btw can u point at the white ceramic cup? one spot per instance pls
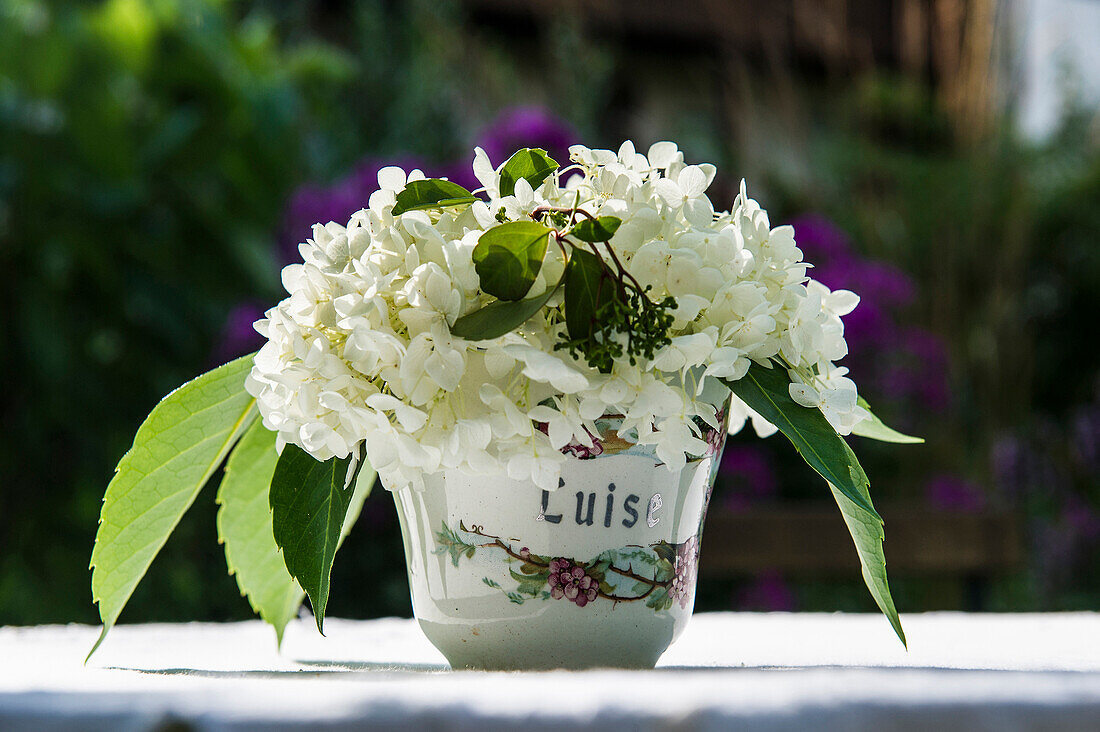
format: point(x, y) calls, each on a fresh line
point(600, 572)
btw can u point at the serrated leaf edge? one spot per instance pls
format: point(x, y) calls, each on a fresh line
point(231, 565)
point(235, 433)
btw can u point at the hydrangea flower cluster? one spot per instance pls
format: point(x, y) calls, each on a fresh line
point(361, 352)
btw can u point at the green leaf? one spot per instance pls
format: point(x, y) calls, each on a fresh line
point(868, 534)
point(765, 391)
point(309, 503)
point(664, 551)
point(530, 588)
point(587, 287)
point(521, 578)
point(451, 543)
point(596, 230)
point(508, 257)
point(176, 450)
point(500, 317)
point(531, 164)
point(245, 527)
point(431, 193)
point(875, 429)
point(656, 599)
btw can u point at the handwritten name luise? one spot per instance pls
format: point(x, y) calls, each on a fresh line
point(587, 514)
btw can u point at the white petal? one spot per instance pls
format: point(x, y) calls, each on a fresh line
point(692, 181)
point(699, 211)
point(763, 427)
point(804, 395)
point(709, 171)
point(391, 178)
point(662, 154)
point(484, 171)
point(525, 194)
point(670, 192)
point(842, 302)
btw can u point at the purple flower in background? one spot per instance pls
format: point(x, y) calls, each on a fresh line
point(923, 374)
point(1026, 470)
point(907, 365)
point(820, 239)
point(527, 127)
point(514, 128)
point(1086, 434)
point(1007, 464)
point(1080, 518)
point(571, 582)
point(1086, 428)
point(837, 266)
point(953, 493)
point(461, 172)
point(1045, 472)
point(311, 205)
point(238, 337)
point(883, 284)
point(748, 473)
point(767, 593)
point(881, 287)
point(319, 204)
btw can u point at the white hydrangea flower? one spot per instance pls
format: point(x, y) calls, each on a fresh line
point(360, 352)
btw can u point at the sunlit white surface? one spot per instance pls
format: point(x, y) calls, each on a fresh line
point(770, 671)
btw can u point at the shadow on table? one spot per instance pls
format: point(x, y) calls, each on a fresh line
point(314, 668)
point(359, 668)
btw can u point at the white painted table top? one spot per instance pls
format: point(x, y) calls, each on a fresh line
point(762, 671)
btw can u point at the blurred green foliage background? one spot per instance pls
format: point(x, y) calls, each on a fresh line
point(150, 151)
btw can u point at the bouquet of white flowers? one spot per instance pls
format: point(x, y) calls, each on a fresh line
point(485, 332)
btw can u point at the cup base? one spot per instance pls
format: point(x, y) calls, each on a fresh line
point(554, 640)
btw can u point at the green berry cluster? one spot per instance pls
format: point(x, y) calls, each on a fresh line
point(630, 323)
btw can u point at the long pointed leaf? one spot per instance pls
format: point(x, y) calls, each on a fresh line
point(176, 450)
point(309, 505)
point(765, 390)
point(875, 429)
point(245, 528)
point(868, 535)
